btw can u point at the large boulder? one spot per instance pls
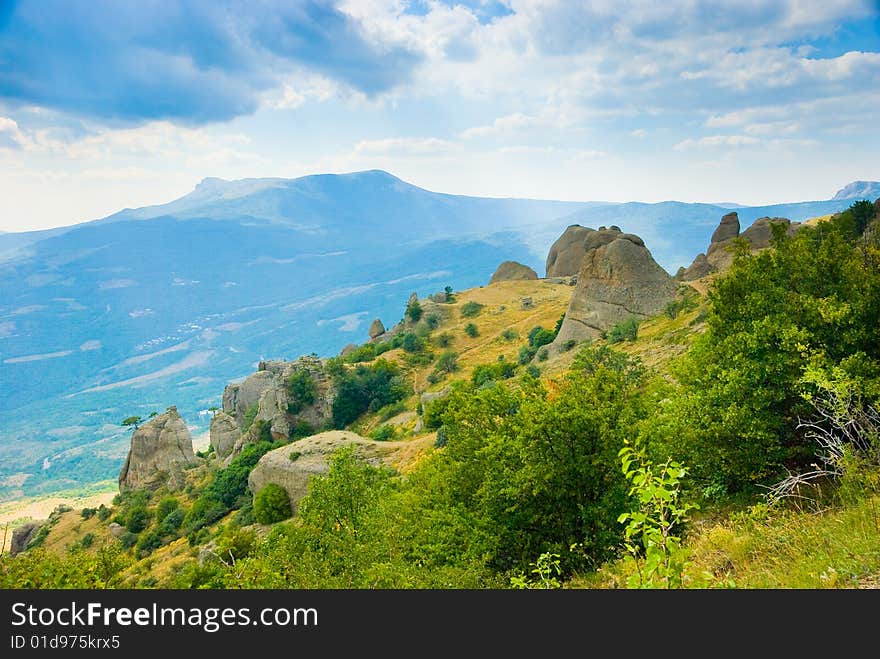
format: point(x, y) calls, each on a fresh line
point(292, 466)
point(618, 280)
point(23, 535)
point(567, 253)
point(265, 399)
point(224, 433)
point(376, 329)
point(160, 450)
point(512, 270)
point(719, 256)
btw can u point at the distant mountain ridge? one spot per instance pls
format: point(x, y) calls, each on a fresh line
point(166, 304)
point(859, 190)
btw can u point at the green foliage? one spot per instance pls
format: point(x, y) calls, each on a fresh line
point(526, 354)
point(87, 540)
point(543, 354)
point(103, 512)
point(413, 311)
point(567, 345)
point(447, 362)
point(444, 340)
point(538, 336)
point(138, 518)
point(170, 524)
point(813, 299)
point(301, 391)
point(132, 421)
point(294, 456)
point(546, 572)
point(383, 433)
point(432, 321)
point(533, 370)
point(680, 305)
point(271, 504)
point(650, 532)
point(38, 568)
point(249, 416)
point(87, 513)
point(627, 330)
point(471, 309)
point(412, 343)
point(165, 507)
point(471, 330)
point(390, 410)
point(510, 334)
point(484, 373)
point(539, 473)
point(367, 388)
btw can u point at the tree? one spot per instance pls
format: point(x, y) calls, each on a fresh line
point(271, 504)
point(414, 311)
point(132, 421)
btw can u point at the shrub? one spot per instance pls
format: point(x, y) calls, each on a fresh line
point(444, 340)
point(383, 433)
point(166, 506)
point(87, 513)
point(272, 504)
point(412, 343)
point(103, 512)
point(471, 330)
point(471, 309)
point(447, 362)
point(569, 344)
point(510, 334)
point(367, 388)
point(148, 542)
point(414, 311)
point(301, 391)
point(543, 354)
point(172, 521)
point(138, 519)
point(538, 336)
point(533, 370)
point(249, 416)
point(87, 540)
point(432, 321)
point(484, 373)
point(525, 355)
point(128, 539)
point(294, 456)
point(626, 331)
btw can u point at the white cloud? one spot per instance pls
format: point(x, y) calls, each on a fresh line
point(37, 358)
point(502, 126)
point(406, 146)
point(93, 344)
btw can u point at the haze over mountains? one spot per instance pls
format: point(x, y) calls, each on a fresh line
point(164, 305)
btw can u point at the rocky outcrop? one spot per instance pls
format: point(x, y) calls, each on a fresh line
point(567, 253)
point(377, 329)
point(512, 270)
point(225, 431)
point(719, 256)
point(292, 466)
point(160, 450)
point(265, 399)
point(23, 535)
point(618, 280)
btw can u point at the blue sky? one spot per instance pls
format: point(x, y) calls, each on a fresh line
point(106, 105)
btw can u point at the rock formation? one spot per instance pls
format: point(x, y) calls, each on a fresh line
point(376, 329)
point(160, 450)
point(567, 253)
point(719, 256)
point(618, 280)
point(22, 536)
point(224, 433)
point(292, 466)
point(511, 270)
point(264, 397)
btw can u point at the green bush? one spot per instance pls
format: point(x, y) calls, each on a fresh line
point(249, 416)
point(510, 334)
point(138, 519)
point(87, 540)
point(444, 340)
point(628, 330)
point(447, 362)
point(103, 512)
point(272, 505)
point(87, 513)
point(471, 309)
point(525, 355)
point(128, 539)
point(471, 330)
point(367, 388)
point(538, 336)
point(301, 391)
point(484, 373)
point(165, 507)
point(383, 433)
point(412, 343)
point(414, 311)
point(172, 522)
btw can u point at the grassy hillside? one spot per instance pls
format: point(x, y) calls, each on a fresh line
point(641, 459)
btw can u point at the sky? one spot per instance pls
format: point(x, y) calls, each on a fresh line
point(107, 105)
